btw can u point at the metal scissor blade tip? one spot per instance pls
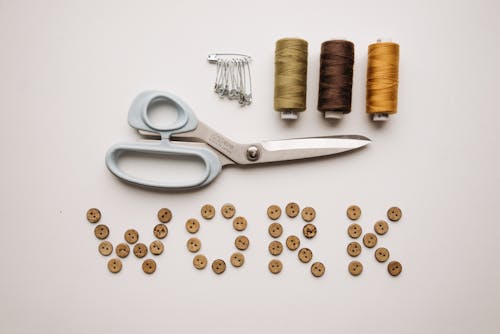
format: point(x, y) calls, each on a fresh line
point(303, 148)
point(329, 142)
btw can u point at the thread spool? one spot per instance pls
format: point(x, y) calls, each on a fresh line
point(335, 78)
point(382, 80)
point(290, 77)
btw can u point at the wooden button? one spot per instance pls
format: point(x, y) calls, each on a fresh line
point(381, 227)
point(105, 248)
point(239, 223)
point(275, 248)
point(93, 215)
point(160, 231)
point(275, 230)
point(394, 214)
point(208, 211)
point(193, 245)
point(354, 249)
point(394, 268)
point(382, 254)
point(305, 255)
point(241, 242)
point(192, 225)
point(353, 212)
point(237, 259)
point(273, 212)
point(317, 269)
point(149, 266)
point(101, 231)
point(354, 231)
point(355, 268)
point(164, 215)
point(200, 261)
point(308, 214)
point(140, 250)
point(292, 242)
point(370, 240)
point(275, 266)
point(228, 210)
point(292, 209)
point(219, 266)
point(115, 265)
point(156, 247)
point(122, 250)
point(131, 236)
point(309, 231)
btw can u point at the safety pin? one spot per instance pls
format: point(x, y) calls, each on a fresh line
point(214, 57)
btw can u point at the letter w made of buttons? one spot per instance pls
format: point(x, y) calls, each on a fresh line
point(131, 240)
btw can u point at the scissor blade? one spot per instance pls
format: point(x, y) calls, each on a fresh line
point(304, 148)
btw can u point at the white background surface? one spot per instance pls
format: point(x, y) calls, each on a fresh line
point(68, 73)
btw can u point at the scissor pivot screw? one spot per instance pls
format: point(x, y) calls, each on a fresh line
point(253, 153)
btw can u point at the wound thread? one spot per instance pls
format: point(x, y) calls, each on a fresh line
point(335, 76)
point(382, 78)
point(290, 75)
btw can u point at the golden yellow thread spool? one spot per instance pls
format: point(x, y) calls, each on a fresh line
point(382, 80)
point(290, 77)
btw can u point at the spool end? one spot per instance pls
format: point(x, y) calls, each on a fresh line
point(334, 114)
point(289, 115)
point(380, 117)
point(384, 40)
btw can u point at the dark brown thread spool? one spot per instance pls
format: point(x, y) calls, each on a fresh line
point(335, 78)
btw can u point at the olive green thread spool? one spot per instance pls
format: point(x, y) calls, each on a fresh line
point(290, 77)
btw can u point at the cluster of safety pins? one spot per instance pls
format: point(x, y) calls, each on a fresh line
point(233, 79)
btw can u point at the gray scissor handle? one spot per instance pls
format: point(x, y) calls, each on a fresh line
point(186, 121)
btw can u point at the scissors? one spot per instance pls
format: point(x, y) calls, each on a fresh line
point(187, 137)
